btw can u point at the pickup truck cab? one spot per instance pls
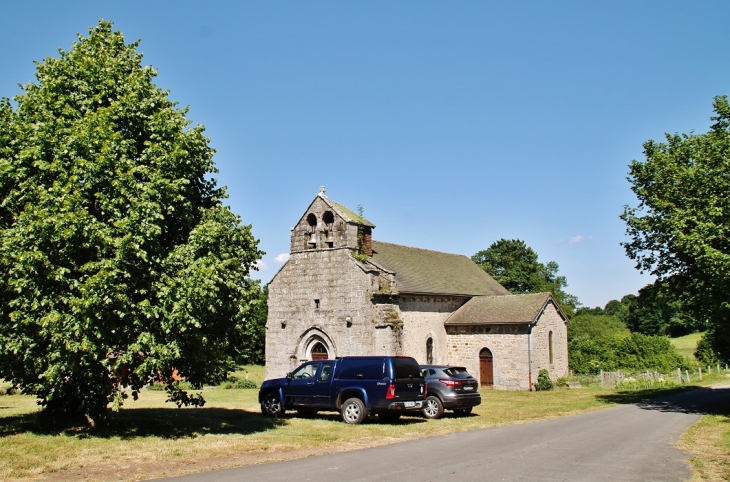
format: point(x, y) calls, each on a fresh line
point(355, 386)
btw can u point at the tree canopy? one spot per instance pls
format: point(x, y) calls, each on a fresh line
point(680, 230)
point(119, 262)
point(516, 267)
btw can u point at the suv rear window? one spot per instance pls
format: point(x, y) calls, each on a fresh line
point(406, 368)
point(457, 372)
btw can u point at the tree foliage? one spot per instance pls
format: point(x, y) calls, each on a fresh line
point(119, 262)
point(680, 230)
point(656, 312)
point(603, 342)
point(254, 328)
point(516, 267)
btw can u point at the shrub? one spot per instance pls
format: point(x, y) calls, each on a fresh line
point(641, 352)
point(543, 380)
point(714, 347)
point(238, 384)
point(600, 342)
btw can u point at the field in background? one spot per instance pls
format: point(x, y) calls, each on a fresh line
point(255, 373)
point(686, 345)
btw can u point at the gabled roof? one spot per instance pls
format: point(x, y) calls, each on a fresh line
point(484, 310)
point(345, 213)
point(433, 272)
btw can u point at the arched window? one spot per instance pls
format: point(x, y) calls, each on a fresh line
point(429, 351)
point(550, 346)
point(319, 352)
point(329, 221)
point(312, 239)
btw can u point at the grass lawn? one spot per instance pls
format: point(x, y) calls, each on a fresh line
point(149, 438)
point(709, 443)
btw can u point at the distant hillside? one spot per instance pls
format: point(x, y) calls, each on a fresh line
point(686, 345)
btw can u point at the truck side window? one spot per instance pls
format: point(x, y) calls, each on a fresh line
point(306, 371)
point(326, 372)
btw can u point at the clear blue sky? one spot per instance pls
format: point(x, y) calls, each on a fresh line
point(454, 124)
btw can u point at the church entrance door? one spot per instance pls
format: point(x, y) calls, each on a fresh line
point(319, 352)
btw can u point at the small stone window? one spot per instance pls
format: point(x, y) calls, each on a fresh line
point(316, 304)
point(429, 351)
point(550, 346)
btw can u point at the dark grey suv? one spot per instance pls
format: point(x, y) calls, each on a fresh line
point(449, 387)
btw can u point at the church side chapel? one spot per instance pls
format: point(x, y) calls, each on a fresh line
point(342, 293)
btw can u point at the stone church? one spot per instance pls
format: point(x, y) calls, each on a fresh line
point(343, 293)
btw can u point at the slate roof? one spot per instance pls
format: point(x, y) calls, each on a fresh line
point(433, 272)
point(484, 310)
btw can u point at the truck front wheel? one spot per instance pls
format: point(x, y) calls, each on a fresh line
point(353, 411)
point(271, 405)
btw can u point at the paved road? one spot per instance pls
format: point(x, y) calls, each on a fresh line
point(626, 443)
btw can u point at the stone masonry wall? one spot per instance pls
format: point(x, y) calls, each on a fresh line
point(343, 322)
point(508, 345)
point(423, 318)
point(550, 321)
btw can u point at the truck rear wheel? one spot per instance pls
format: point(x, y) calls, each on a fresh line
point(353, 411)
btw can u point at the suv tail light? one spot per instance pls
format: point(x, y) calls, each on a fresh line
point(450, 383)
point(391, 392)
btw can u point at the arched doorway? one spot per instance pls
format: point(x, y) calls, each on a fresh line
point(486, 368)
point(319, 352)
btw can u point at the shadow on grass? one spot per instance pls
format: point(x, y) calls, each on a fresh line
point(166, 423)
point(335, 417)
point(690, 399)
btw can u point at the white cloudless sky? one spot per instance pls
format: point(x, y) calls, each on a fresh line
point(453, 124)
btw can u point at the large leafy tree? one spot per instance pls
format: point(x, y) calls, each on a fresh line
point(118, 261)
point(680, 230)
point(656, 312)
point(516, 267)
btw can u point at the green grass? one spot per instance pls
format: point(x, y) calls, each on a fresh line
point(709, 443)
point(686, 345)
point(150, 438)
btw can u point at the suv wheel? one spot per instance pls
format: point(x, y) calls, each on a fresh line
point(271, 406)
point(353, 411)
point(432, 407)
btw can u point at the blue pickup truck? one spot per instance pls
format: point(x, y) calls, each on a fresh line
point(355, 386)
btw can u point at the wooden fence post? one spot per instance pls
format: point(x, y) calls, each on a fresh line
point(686, 372)
point(699, 370)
